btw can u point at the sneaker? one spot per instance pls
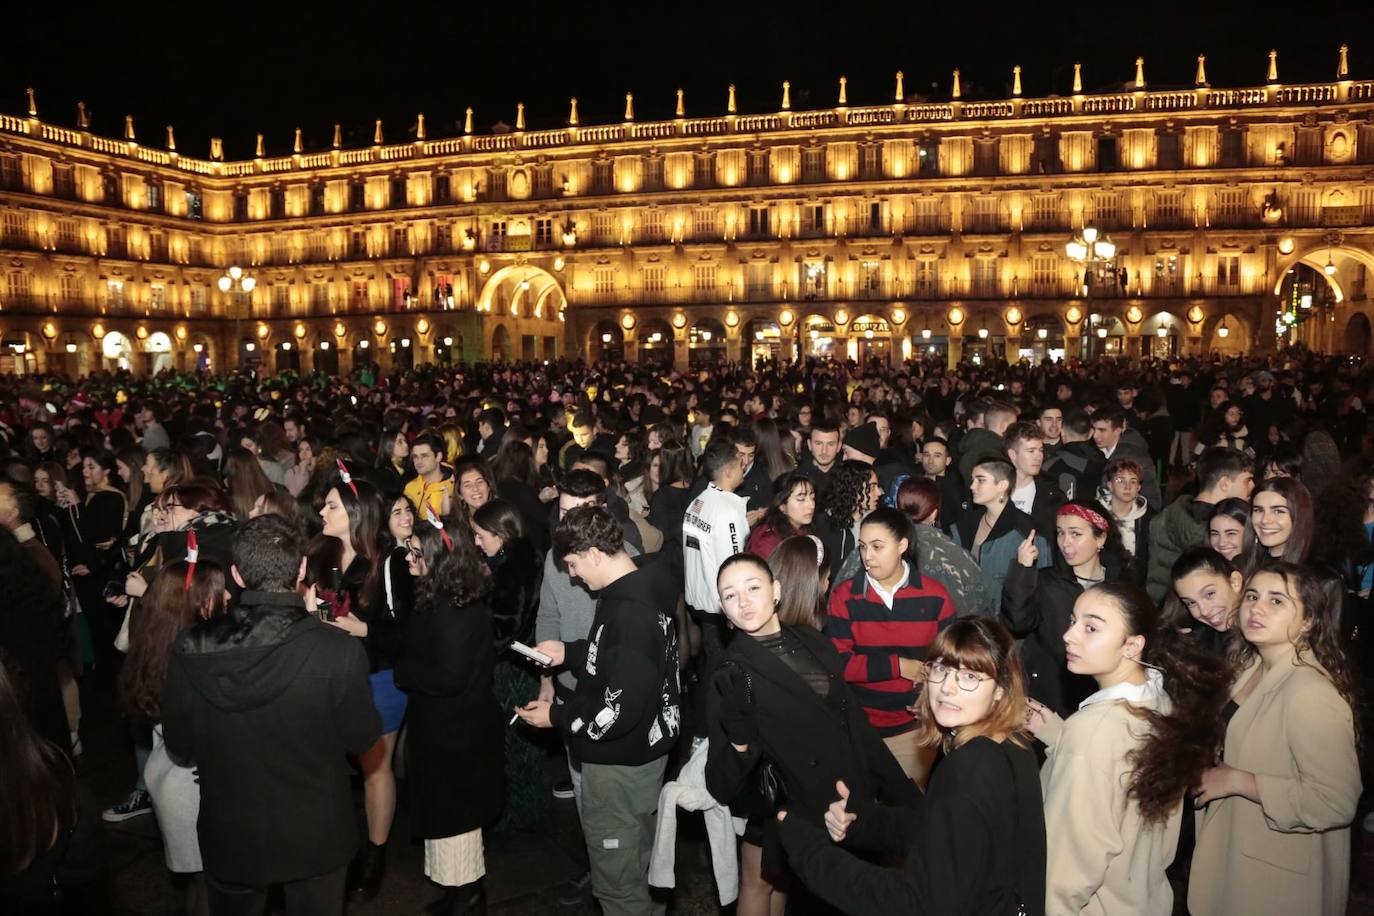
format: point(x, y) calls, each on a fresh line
point(564, 788)
point(575, 890)
point(137, 803)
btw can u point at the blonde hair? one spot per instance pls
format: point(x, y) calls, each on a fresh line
point(453, 442)
point(981, 644)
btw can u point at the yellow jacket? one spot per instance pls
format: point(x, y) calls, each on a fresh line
point(434, 495)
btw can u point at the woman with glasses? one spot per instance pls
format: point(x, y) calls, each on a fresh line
point(975, 841)
point(780, 706)
point(1116, 770)
point(1129, 511)
point(882, 620)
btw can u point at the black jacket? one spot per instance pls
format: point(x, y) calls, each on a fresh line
point(455, 732)
point(1075, 469)
point(974, 846)
point(266, 702)
point(813, 741)
point(625, 708)
point(1036, 604)
point(516, 575)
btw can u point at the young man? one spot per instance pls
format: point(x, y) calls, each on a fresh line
point(984, 437)
point(756, 487)
point(824, 454)
point(154, 435)
point(491, 428)
point(1051, 422)
point(622, 719)
point(267, 702)
point(1033, 494)
point(582, 425)
point(1221, 474)
point(433, 484)
point(713, 530)
point(936, 464)
point(1114, 439)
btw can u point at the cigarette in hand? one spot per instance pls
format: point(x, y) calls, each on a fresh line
point(513, 718)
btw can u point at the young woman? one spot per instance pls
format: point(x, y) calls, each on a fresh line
point(246, 481)
point(852, 493)
point(517, 482)
point(1208, 587)
point(631, 455)
point(180, 594)
point(95, 552)
point(1128, 510)
point(1228, 527)
point(882, 621)
point(918, 498)
point(791, 513)
point(802, 568)
point(1116, 770)
point(129, 463)
point(1282, 524)
point(349, 560)
point(517, 573)
point(780, 703)
point(475, 484)
point(669, 505)
point(771, 453)
point(393, 462)
point(977, 842)
point(1036, 602)
point(994, 529)
point(51, 847)
point(1224, 426)
point(1274, 836)
point(455, 784)
point(307, 451)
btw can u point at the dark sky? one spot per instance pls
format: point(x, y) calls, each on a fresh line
point(302, 64)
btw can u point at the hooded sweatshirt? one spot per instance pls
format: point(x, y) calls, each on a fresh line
point(625, 711)
point(266, 702)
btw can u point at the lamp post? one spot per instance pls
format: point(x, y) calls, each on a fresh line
point(240, 283)
point(1093, 251)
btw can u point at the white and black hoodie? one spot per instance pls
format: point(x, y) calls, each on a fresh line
point(624, 711)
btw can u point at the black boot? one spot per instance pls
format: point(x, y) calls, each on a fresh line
point(369, 871)
point(469, 900)
point(445, 902)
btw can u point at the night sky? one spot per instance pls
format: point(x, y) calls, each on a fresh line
point(288, 66)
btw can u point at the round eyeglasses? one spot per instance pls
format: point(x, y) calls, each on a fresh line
point(968, 681)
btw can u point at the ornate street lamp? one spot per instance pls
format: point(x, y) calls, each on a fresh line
point(238, 284)
point(1093, 251)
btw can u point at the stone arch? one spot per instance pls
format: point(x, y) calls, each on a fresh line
point(523, 290)
point(1357, 334)
point(1316, 255)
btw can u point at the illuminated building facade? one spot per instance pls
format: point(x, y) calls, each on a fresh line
point(1139, 221)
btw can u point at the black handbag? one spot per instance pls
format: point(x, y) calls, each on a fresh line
point(770, 782)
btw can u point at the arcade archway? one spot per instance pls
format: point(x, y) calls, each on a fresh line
point(523, 291)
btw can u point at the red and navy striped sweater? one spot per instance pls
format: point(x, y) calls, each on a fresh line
point(872, 639)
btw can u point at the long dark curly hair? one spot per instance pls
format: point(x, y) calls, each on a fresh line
point(848, 492)
point(454, 573)
point(1182, 743)
point(1322, 641)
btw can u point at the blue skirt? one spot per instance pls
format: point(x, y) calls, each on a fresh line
point(389, 700)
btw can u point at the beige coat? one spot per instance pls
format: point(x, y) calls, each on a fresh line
point(1101, 858)
point(1290, 853)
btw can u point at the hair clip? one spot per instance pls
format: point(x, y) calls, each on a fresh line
point(346, 477)
point(192, 555)
point(434, 520)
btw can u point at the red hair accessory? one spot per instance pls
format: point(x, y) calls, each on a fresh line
point(1095, 519)
point(443, 532)
point(192, 555)
point(346, 477)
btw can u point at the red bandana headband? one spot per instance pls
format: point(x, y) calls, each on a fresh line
point(1095, 519)
point(346, 477)
point(443, 532)
point(192, 555)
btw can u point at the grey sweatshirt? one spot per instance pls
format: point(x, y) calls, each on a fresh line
point(566, 609)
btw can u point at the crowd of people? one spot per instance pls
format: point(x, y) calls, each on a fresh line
point(1058, 639)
